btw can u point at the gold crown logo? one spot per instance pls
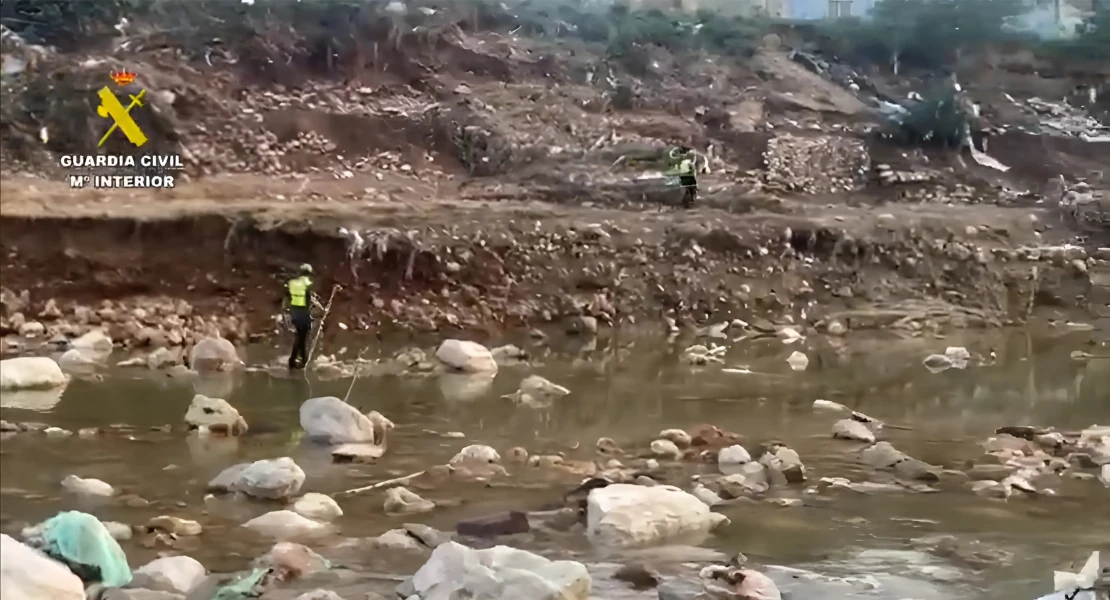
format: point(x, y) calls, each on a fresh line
point(122, 78)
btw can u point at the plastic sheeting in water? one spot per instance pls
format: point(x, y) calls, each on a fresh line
point(81, 540)
point(249, 586)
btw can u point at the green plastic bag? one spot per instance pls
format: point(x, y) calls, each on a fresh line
point(250, 586)
point(81, 541)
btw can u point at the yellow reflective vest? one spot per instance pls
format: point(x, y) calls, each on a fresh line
point(298, 291)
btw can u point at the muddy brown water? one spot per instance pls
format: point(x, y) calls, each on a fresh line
point(628, 395)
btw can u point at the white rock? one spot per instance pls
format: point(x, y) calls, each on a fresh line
point(499, 573)
point(798, 361)
point(830, 405)
point(119, 531)
point(632, 515)
point(476, 453)
point(75, 358)
point(26, 574)
point(937, 363)
point(706, 495)
point(957, 354)
point(397, 539)
point(181, 573)
point(382, 425)
point(789, 335)
point(757, 586)
point(666, 449)
point(293, 558)
point(465, 356)
point(678, 436)
point(210, 412)
point(319, 507)
point(30, 372)
point(32, 329)
point(362, 452)
point(87, 487)
point(850, 429)
point(784, 465)
point(401, 500)
point(162, 357)
point(733, 455)
point(285, 524)
point(331, 420)
point(214, 354)
point(275, 479)
point(537, 391)
point(95, 340)
point(1104, 474)
point(509, 355)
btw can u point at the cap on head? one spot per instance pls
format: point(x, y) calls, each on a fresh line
point(306, 269)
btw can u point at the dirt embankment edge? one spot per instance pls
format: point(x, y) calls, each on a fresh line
point(510, 271)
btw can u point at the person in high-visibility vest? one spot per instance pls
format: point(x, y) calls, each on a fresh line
point(682, 161)
point(298, 301)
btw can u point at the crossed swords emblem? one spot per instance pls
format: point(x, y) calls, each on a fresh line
point(110, 108)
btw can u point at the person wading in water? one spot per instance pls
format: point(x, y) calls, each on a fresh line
point(298, 300)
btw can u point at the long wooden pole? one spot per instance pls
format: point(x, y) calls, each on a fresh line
point(315, 338)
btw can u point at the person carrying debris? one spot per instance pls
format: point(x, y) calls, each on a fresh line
point(682, 164)
point(298, 301)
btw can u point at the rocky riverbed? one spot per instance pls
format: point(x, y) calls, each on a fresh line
point(560, 467)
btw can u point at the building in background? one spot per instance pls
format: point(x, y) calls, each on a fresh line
point(827, 9)
point(745, 8)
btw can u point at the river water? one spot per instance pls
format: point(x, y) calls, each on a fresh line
point(630, 395)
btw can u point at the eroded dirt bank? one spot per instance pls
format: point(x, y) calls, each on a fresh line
point(484, 266)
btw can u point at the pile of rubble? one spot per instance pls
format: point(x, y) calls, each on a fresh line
point(141, 322)
point(1060, 118)
point(886, 175)
point(816, 165)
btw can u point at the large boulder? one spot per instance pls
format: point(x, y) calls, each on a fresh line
point(215, 414)
point(331, 420)
point(498, 573)
point(214, 354)
point(274, 479)
point(30, 372)
point(467, 357)
point(633, 515)
point(26, 574)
